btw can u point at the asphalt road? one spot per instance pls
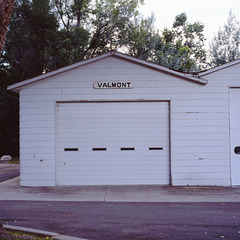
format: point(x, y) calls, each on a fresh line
point(8, 171)
point(127, 221)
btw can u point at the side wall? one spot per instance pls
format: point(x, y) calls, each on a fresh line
point(199, 119)
point(226, 79)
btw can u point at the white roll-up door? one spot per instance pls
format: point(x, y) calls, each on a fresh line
point(113, 143)
point(235, 134)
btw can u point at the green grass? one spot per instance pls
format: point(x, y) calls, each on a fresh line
point(19, 234)
point(15, 160)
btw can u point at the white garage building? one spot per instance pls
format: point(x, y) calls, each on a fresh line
point(118, 120)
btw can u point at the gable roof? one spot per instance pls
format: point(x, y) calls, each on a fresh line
point(219, 68)
point(17, 86)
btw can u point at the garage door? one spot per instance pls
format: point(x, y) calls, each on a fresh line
point(235, 134)
point(113, 143)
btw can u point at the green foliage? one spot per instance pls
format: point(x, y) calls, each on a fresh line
point(67, 48)
point(103, 23)
point(142, 39)
point(71, 13)
point(32, 29)
point(9, 117)
point(225, 45)
point(180, 48)
point(110, 20)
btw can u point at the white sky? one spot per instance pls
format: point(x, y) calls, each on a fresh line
point(212, 13)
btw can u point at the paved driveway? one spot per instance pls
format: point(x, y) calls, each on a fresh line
point(123, 212)
point(127, 221)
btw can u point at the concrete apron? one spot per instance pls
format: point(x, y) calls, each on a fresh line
point(11, 190)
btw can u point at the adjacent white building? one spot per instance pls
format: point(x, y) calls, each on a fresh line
point(118, 120)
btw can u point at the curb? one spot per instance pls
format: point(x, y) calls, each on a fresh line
point(53, 235)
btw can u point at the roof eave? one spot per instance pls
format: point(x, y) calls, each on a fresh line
point(219, 68)
point(17, 86)
point(162, 69)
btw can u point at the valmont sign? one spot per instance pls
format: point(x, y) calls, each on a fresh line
point(113, 85)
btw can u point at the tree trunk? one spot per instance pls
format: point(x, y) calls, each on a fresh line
point(6, 7)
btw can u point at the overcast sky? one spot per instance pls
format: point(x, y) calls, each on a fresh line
point(212, 13)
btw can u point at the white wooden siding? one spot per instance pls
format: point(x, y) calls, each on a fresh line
point(199, 116)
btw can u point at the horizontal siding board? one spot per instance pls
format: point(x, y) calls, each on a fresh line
point(179, 165)
point(37, 123)
point(40, 105)
point(40, 177)
point(37, 183)
point(201, 169)
point(199, 116)
point(39, 111)
point(41, 91)
point(38, 170)
point(202, 182)
point(205, 122)
point(200, 108)
point(200, 137)
point(36, 117)
point(38, 131)
point(108, 171)
point(34, 144)
point(35, 137)
point(199, 149)
point(38, 150)
point(202, 175)
point(36, 163)
point(214, 144)
point(199, 129)
point(33, 156)
point(38, 98)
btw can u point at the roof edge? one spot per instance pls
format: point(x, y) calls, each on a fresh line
point(219, 68)
point(16, 87)
point(161, 68)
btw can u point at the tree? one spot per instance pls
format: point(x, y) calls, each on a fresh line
point(182, 47)
point(110, 20)
point(72, 37)
point(5, 13)
point(89, 28)
point(72, 13)
point(6, 7)
point(225, 45)
point(142, 39)
point(32, 29)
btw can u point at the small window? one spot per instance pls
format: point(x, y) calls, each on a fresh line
point(99, 149)
point(237, 150)
point(127, 149)
point(155, 148)
point(70, 149)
